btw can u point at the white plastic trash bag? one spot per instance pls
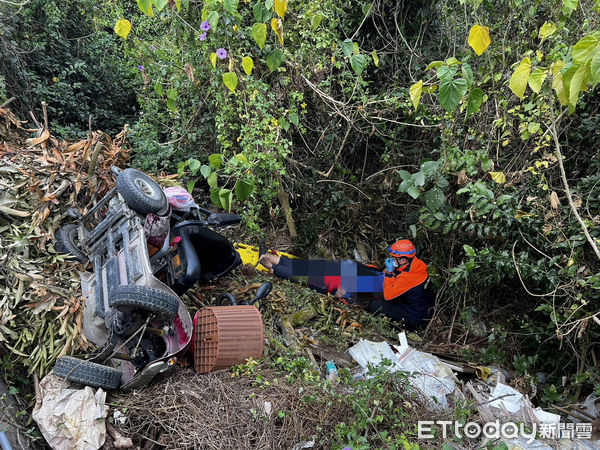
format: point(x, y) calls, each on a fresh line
point(431, 377)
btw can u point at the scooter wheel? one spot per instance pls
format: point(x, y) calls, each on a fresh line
point(66, 238)
point(87, 373)
point(142, 193)
point(129, 298)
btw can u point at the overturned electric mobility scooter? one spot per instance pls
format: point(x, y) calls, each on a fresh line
point(142, 248)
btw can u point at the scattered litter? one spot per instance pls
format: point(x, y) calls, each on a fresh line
point(368, 352)
point(546, 417)
point(431, 377)
point(301, 445)
point(71, 418)
point(332, 372)
point(119, 417)
point(507, 398)
point(180, 199)
point(268, 408)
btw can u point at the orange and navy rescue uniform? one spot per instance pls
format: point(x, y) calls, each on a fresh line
point(405, 278)
point(405, 294)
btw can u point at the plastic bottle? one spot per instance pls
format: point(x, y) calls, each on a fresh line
point(332, 372)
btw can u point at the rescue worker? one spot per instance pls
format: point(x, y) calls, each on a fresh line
point(405, 293)
point(399, 292)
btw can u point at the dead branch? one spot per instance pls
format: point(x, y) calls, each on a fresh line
point(563, 176)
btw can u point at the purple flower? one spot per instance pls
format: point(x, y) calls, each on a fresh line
point(141, 67)
point(203, 36)
point(205, 26)
point(222, 53)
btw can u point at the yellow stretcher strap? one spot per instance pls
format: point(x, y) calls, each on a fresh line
point(249, 255)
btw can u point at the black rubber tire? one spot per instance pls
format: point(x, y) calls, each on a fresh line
point(88, 373)
point(65, 242)
point(131, 297)
point(150, 200)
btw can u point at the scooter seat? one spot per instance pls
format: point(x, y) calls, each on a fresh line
point(204, 255)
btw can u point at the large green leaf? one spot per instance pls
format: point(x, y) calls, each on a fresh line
point(434, 199)
point(474, 102)
point(405, 175)
point(467, 73)
point(211, 179)
point(205, 170)
point(316, 20)
point(434, 65)
point(215, 160)
point(243, 189)
point(230, 6)
point(348, 47)
point(451, 92)
point(214, 197)
point(595, 68)
point(520, 78)
point(160, 4)
point(275, 59)
point(536, 80)
point(558, 83)
point(261, 14)
point(226, 197)
point(575, 84)
point(231, 80)
point(430, 167)
point(419, 178)
point(413, 191)
point(415, 93)
point(172, 94)
point(569, 6)
point(213, 19)
point(585, 49)
point(145, 6)
point(358, 63)
point(259, 34)
point(446, 72)
point(194, 165)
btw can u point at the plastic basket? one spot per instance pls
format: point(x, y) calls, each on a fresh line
point(225, 336)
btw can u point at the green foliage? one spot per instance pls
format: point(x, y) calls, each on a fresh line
point(518, 236)
point(387, 119)
point(3, 96)
point(64, 53)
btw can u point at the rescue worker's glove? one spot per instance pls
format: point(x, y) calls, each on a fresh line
point(390, 264)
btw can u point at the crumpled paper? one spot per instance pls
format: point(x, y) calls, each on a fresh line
point(71, 418)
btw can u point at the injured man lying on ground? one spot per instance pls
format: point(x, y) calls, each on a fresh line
point(399, 292)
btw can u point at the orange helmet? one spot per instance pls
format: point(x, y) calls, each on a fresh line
point(402, 249)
